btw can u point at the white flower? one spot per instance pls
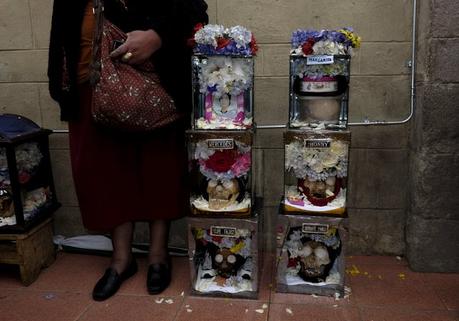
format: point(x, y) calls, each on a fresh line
point(328, 47)
point(226, 75)
point(209, 35)
point(338, 148)
point(202, 151)
point(330, 160)
point(241, 36)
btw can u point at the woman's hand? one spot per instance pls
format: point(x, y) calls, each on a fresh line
point(138, 47)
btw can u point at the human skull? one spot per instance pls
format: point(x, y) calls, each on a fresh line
point(6, 204)
point(313, 259)
point(318, 189)
point(222, 193)
point(225, 263)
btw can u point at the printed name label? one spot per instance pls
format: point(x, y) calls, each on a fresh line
point(220, 143)
point(223, 231)
point(313, 228)
point(317, 143)
point(319, 60)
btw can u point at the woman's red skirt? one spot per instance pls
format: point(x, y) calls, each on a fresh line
point(120, 178)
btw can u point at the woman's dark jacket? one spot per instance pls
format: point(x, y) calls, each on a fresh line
point(173, 20)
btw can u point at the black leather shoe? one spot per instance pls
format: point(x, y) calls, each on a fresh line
point(111, 282)
point(158, 277)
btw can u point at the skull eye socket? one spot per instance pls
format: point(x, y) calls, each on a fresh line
point(306, 251)
point(228, 184)
point(219, 258)
point(213, 183)
point(231, 259)
point(321, 252)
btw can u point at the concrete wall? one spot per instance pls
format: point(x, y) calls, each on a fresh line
point(433, 217)
point(378, 193)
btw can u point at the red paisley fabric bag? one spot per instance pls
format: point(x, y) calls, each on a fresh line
point(125, 98)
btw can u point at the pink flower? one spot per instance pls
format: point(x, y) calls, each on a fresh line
point(242, 165)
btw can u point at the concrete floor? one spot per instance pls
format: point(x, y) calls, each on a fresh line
point(382, 289)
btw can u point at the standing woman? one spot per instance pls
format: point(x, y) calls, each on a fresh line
point(120, 179)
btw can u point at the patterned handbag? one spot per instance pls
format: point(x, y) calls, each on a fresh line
point(125, 97)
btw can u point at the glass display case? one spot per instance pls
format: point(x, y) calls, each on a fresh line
point(310, 252)
point(220, 164)
point(27, 194)
point(316, 165)
point(223, 72)
point(319, 92)
point(224, 256)
point(319, 77)
point(222, 92)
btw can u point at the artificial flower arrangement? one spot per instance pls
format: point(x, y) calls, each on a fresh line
point(225, 174)
point(223, 77)
point(316, 172)
point(324, 42)
point(223, 263)
point(217, 40)
point(311, 258)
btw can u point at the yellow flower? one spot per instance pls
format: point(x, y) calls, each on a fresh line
point(352, 37)
point(236, 248)
point(199, 233)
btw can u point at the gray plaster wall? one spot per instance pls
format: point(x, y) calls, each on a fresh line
point(433, 216)
point(380, 156)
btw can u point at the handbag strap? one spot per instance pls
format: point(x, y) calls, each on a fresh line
point(98, 10)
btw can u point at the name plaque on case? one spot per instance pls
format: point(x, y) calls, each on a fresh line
point(312, 228)
point(220, 143)
point(317, 143)
point(223, 231)
point(319, 60)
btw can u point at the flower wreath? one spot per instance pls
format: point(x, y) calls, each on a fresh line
point(324, 42)
point(317, 164)
point(224, 75)
point(225, 163)
point(218, 40)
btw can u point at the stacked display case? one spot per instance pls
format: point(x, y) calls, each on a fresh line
point(312, 221)
point(223, 226)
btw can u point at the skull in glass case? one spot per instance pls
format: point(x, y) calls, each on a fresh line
point(226, 262)
point(222, 193)
point(314, 258)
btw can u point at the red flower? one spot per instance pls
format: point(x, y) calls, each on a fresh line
point(222, 42)
point(307, 46)
point(222, 160)
point(191, 42)
point(253, 45)
point(292, 262)
point(198, 27)
point(217, 239)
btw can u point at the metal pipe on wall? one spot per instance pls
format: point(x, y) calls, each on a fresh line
point(411, 64)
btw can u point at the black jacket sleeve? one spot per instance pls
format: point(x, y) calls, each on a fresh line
point(63, 54)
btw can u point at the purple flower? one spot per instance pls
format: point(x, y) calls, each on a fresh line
point(301, 36)
point(229, 50)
